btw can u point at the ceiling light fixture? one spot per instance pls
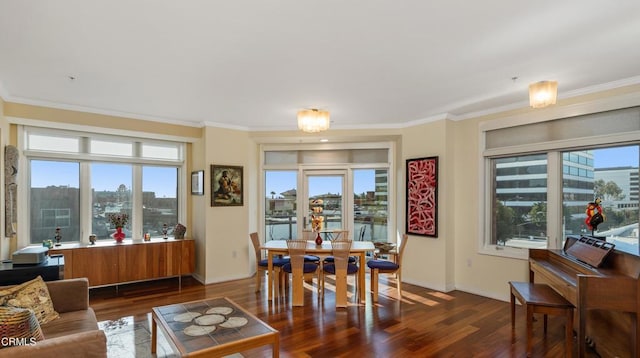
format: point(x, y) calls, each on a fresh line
point(543, 93)
point(313, 120)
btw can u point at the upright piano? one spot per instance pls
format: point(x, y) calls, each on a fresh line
point(605, 294)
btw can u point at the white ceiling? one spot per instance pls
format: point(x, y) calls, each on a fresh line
point(253, 64)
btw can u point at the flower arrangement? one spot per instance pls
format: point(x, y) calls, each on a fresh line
point(118, 219)
point(317, 220)
point(179, 230)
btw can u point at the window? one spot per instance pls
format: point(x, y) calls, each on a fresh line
point(159, 199)
point(54, 200)
point(541, 176)
point(614, 179)
point(100, 175)
point(111, 187)
point(370, 204)
point(280, 204)
point(520, 201)
point(351, 179)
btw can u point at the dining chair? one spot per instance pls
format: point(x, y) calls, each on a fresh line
point(363, 229)
point(262, 264)
point(340, 235)
point(340, 267)
point(378, 267)
point(309, 235)
point(299, 269)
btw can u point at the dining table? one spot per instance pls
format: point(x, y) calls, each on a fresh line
point(279, 247)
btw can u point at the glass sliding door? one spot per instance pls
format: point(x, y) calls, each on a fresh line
point(370, 204)
point(326, 187)
point(280, 204)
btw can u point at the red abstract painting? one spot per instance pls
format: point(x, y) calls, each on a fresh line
point(422, 196)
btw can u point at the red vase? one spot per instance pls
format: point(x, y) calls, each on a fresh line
point(119, 235)
point(318, 240)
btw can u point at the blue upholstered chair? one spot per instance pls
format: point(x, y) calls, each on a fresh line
point(378, 267)
point(262, 263)
point(341, 267)
point(299, 268)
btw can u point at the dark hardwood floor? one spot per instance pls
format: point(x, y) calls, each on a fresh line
point(425, 323)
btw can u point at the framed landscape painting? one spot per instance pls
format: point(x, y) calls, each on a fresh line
point(226, 185)
point(422, 196)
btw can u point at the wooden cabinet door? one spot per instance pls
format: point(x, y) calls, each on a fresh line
point(98, 264)
point(141, 262)
point(188, 264)
point(68, 261)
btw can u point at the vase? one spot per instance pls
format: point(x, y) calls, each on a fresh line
point(119, 235)
point(318, 240)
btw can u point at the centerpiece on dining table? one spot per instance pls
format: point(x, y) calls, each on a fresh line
point(317, 219)
point(119, 220)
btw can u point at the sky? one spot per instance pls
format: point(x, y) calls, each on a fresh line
point(616, 157)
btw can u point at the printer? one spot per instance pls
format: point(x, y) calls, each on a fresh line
point(32, 255)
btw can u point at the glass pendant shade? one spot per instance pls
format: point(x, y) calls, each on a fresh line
point(543, 93)
point(313, 120)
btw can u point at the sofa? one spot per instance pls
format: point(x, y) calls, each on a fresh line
point(74, 333)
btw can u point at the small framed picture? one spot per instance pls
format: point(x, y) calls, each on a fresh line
point(226, 185)
point(197, 182)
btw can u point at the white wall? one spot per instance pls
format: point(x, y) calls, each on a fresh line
point(226, 237)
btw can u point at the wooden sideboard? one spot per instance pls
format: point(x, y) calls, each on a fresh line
point(110, 263)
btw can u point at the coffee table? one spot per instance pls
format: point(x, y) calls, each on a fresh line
point(211, 327)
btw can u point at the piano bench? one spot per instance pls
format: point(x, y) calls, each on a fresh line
point(541, 298)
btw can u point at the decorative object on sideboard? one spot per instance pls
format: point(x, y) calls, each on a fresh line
point(92, 239)
point(58, 237)
point(165, 230)
point(179, 231)
point(119, 220)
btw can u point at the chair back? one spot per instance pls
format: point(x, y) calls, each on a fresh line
point(403, 244)
point(297, 249)
point(361, 233)
point(340, 251)
point(340, 235)
point(308, 235)
point(256, 245)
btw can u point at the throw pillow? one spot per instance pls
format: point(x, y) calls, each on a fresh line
point(18, 327)
point(33, 295)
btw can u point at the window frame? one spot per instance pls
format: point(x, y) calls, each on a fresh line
point(85, 158)
point(553, 150)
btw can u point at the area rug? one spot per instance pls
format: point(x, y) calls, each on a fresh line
point(127, 339)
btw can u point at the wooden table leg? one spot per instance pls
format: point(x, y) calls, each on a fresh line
point(154, 335)
point(275, 350)
point(269, 275)
point(529, 309)
point(361, 277)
